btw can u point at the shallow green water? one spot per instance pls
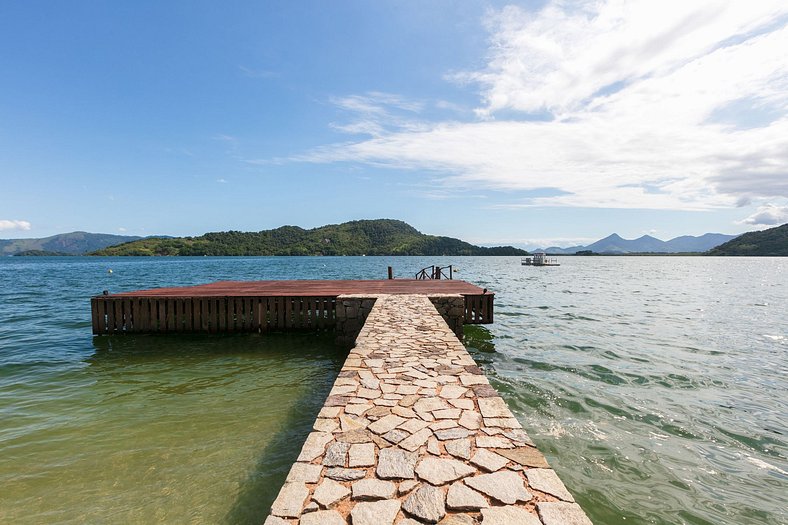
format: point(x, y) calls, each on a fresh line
point(655, 386)
point(143, 429)
point(161, 430)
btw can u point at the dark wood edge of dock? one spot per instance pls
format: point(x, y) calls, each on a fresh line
point(262, 306)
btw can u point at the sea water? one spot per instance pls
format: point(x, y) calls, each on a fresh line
point(656, 386)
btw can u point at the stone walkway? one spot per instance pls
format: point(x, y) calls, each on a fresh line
point(412, 433)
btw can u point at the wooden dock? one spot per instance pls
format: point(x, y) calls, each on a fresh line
point(260, 306)
point(411, 433)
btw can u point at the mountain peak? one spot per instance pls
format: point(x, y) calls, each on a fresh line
point(613, 237)
point(614, 243)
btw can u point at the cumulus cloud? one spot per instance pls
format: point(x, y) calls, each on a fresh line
point(619, 104)
point(768, 215)
point(569, 55)
point(14, 225)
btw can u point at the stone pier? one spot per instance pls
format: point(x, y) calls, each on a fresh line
point(412, 432)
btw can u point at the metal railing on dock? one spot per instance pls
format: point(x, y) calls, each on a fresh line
point(435, 272)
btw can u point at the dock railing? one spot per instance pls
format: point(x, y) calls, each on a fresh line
point(435, 272)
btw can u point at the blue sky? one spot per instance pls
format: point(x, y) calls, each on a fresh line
point(530, 123)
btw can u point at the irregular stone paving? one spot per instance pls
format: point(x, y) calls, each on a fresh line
point(412, 432)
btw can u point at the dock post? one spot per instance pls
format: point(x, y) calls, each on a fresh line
point(391, 272)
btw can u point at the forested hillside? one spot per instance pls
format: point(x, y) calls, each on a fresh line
point(367, 237)
point(771, 242)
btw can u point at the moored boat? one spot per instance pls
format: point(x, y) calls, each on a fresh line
point(539, 259)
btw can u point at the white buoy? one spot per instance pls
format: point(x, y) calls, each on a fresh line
point(109, 271)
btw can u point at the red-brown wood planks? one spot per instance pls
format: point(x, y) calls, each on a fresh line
point(258, 306)
point(307, 288)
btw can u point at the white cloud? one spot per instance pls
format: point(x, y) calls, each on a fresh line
point(377, 114)
point(14, 225)
point(221, 181)
point(767, 215)
point(615, 104)
point(376, 102)
point(562, 57)
point(451, 106)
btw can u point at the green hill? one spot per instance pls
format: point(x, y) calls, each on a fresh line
point(367, 237)
point(771, 242)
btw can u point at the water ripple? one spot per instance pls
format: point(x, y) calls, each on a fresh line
point(658, 397)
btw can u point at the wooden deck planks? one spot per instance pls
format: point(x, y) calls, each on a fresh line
point(259, 306)
point(311, 288)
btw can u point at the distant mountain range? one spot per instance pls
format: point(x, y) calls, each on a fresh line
point(375, 237)
point(647, 244)
point(74, 243)
point(771, 242)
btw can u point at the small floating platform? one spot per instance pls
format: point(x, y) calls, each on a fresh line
point(539, 259)
point(258, 306)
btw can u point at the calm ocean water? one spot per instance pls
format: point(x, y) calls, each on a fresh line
point(656, 386)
